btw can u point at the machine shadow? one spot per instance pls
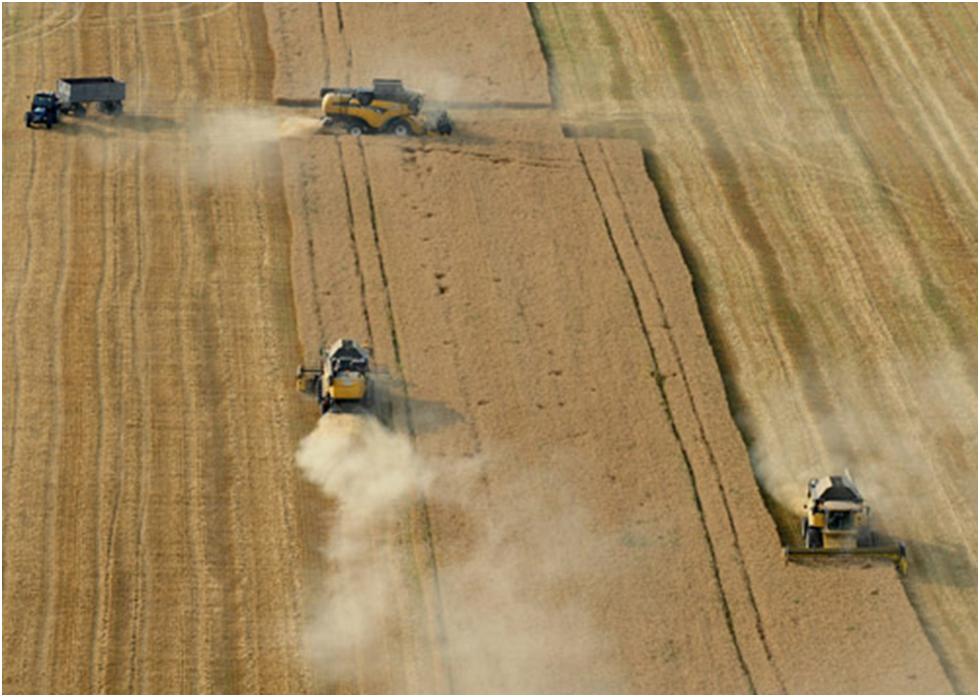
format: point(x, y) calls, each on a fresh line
point(145, 123)
point(427, 416)
point(937, 563)
point(104, 127)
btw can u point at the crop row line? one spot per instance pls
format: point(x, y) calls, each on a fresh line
point(665, 404)
point(712, 459)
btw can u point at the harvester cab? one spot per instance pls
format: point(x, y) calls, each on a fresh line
point(837, 522)
point(341, 380)
point(385, 107)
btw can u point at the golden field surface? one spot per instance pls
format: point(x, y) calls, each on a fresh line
point(818, 165)
point(560, 498)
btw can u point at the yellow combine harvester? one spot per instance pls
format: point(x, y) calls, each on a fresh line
point(837, 523)
point(342, 381)
point(386, 107)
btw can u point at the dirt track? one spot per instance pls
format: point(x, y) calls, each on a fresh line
point(508, 282)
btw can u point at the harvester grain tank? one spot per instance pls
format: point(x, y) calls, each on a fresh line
point(73, 95)
point(837, 523)
point(385, 107)
point(342, 381)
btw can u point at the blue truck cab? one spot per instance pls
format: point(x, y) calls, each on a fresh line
point(44, 110)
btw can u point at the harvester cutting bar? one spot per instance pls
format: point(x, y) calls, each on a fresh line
point(895, 553)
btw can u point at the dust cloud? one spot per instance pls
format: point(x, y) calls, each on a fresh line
point(438, 82)
point(507, 617)
point(907, 434)
point(209, 148)
point(222, 141)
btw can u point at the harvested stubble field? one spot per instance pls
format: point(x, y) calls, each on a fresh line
point(564, 503)
point(819, 166)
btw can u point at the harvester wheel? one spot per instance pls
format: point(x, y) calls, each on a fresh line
point(400, 128)
point(814, 538)
point(355, 129)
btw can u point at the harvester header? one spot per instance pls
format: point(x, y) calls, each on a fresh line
point(837, 523)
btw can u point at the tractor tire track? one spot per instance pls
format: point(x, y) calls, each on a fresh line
point(46, 643)
point(98, 371)
point(13, 313)
point(13, 333)
point(140, 370)
point(423, 507)
point(665, 405)
point(702, 435)
point(125, 266)
point(353, 244)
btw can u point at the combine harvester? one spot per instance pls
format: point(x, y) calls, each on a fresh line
point(342, 382)
point(837, 523)
point(387, 107)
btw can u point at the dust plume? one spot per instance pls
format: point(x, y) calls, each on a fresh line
point(222, 141)
point(906, 432)
point(439, 81)
point(210, 148)
point(505, 616)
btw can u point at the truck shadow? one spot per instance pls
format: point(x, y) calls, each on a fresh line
point(105, 126)
point(145, 123)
